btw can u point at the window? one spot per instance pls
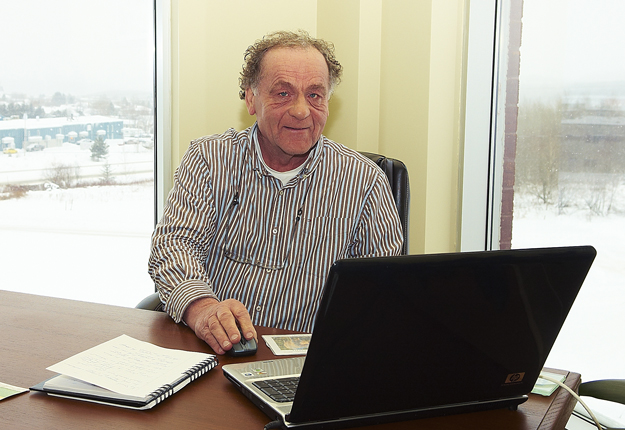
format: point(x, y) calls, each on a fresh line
point(554, 171)
point(77, 161)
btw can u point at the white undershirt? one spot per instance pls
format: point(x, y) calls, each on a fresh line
point(284, 177)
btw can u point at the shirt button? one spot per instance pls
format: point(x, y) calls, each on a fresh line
point(281, 192)
point(274, 231)
point(259, 308)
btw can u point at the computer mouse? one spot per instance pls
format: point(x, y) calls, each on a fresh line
point(243, 348)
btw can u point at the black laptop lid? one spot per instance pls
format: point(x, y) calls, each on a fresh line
point(399, 333)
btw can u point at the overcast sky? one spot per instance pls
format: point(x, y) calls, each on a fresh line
point(570, 42)
point(75, 46)
point(88, 46)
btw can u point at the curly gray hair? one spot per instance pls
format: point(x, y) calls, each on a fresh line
point(250, 75)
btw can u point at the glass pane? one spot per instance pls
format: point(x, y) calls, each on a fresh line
point(76, 167)
point(568, 170)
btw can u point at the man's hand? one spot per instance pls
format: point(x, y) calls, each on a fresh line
point(216, 322)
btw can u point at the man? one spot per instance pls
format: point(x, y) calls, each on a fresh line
point(256, 218)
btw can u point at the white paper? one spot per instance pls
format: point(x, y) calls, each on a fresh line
point(129, 366)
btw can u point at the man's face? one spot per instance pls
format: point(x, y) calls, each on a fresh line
point(290, 104)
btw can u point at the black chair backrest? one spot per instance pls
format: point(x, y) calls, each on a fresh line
point(397, 175)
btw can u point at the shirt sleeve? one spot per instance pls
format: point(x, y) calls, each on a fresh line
point(379, 232)
point(181, 240)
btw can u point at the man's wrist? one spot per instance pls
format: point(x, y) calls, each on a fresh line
point(195, 308)
point(184, 294)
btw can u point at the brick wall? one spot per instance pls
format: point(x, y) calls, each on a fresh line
point(511, 116)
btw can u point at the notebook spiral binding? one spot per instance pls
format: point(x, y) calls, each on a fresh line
point(201, 368)
point(192, 374)
point(162, 393)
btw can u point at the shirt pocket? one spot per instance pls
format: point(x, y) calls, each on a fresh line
point(327, 239)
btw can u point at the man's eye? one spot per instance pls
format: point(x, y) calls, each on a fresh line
point(314, 96)
point(283, 94)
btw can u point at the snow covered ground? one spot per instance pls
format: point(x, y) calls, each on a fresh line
point(88, 244)
point(126, 162)
point(92, 244)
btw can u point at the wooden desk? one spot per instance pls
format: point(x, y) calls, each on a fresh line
point(37, 332)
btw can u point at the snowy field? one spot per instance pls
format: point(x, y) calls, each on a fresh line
point(88, 244)
point(92, 244)
point(125, 163)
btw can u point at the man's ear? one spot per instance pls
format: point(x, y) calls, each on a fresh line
point(249, 101)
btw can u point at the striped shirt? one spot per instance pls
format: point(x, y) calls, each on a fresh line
point(232, 230)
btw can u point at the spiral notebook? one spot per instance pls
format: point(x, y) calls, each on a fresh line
point(126, 372)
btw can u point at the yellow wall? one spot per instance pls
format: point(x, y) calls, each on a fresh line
point(401, 93)
point(355, 27)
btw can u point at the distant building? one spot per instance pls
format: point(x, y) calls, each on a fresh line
point(593, 143)
point(60, 129)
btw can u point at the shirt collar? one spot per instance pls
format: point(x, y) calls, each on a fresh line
point(258, 164)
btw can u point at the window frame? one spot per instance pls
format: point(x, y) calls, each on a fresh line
point(478, 227)
point(162, 105)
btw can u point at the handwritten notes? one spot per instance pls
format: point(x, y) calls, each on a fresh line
point(128, 366)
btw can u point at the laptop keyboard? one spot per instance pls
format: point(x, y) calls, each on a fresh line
point(280, 389)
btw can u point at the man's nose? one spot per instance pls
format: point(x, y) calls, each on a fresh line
point(300, 109)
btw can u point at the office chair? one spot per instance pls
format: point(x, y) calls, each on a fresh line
point(397, 175)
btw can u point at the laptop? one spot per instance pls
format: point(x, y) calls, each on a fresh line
point(399, 338)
